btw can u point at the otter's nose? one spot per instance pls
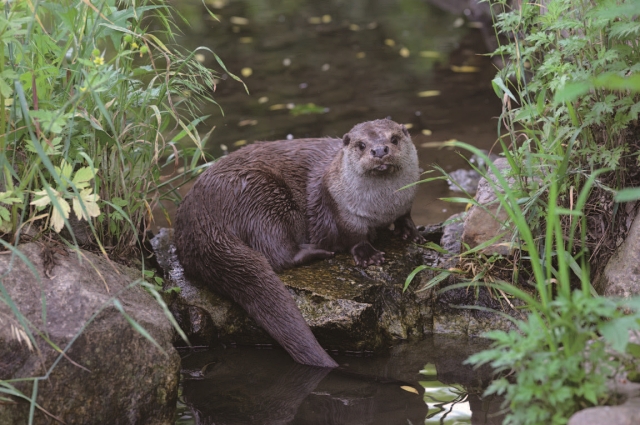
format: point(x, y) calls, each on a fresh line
point(380, 151)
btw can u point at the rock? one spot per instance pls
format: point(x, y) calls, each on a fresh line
point(468, 180)
point(487, 220)
point(117, 376)
point(625, 414)
point(452, 234)
point(621, 275)
point(348, 308)
point(464, 181)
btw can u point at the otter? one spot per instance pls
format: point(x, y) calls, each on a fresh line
point(274, 205)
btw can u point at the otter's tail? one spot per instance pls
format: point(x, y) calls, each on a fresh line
point(229, 266)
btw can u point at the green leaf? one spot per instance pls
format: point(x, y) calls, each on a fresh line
point(413, 274)
point(633, 349)
point(433, 282)
point(500, 88)
point(84, 174)
point(627, 195)
point(616, 331)
point(435, 247)
point(4, 214)
point(571, 91)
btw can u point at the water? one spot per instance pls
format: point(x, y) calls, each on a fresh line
point(364, 60)
point(416, 383)
point(345, 62)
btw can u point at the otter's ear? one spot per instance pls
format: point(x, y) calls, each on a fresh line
point(346, 139)
point(388, 118)
point(404, 130)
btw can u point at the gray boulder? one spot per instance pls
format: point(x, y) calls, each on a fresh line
point(110, 374)
point(488, 219)
point(348, 308)
point(627, 413)
point(621, 275)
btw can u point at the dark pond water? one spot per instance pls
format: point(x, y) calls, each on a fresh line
point(355, 61)
point(419, 383)
point(316, 68)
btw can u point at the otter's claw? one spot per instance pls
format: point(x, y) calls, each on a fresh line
point(406, 229)
point(365, 255)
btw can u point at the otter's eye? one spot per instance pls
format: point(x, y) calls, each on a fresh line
point(394, 139)
point(361, 146)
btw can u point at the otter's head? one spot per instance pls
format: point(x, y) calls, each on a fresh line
point(378, 148)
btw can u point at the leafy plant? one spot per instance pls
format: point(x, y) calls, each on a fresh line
point(570, 96)
point(559, 359)
point(96, 105)
point(89, 95)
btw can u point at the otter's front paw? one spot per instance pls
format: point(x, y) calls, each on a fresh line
point(406, 229)
point(364, 255)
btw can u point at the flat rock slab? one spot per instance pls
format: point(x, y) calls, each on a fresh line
point(349, 308)
point(111, 374)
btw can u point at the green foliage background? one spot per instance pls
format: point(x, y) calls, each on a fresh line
point(90, 93)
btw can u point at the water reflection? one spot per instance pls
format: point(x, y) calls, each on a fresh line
point(448, 404)
point(247, 386)
point(351, 61)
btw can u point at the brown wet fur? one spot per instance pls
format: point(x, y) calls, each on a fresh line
point(273, 205)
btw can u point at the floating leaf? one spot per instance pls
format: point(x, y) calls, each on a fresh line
point(429, 93)
point(246, 72)
point(410, 389)
point(464, 68)
point(277, 107)
point(427, 132)
point(263, 99)
point(437, 144)
point(240, 143)
point(245, 40)
point(238, 20)
point(404, 52)
point(430, 54)
point(309, 108)
point(315, 20)
point(361, 55)
point(354, 27)
point(247, 122)
point(408, 126)
point(389, 42)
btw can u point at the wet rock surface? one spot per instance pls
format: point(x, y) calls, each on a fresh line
point(348, 308)
point(117, 376)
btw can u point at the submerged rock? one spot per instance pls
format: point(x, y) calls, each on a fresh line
point(111, 374)
point(349, 308)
